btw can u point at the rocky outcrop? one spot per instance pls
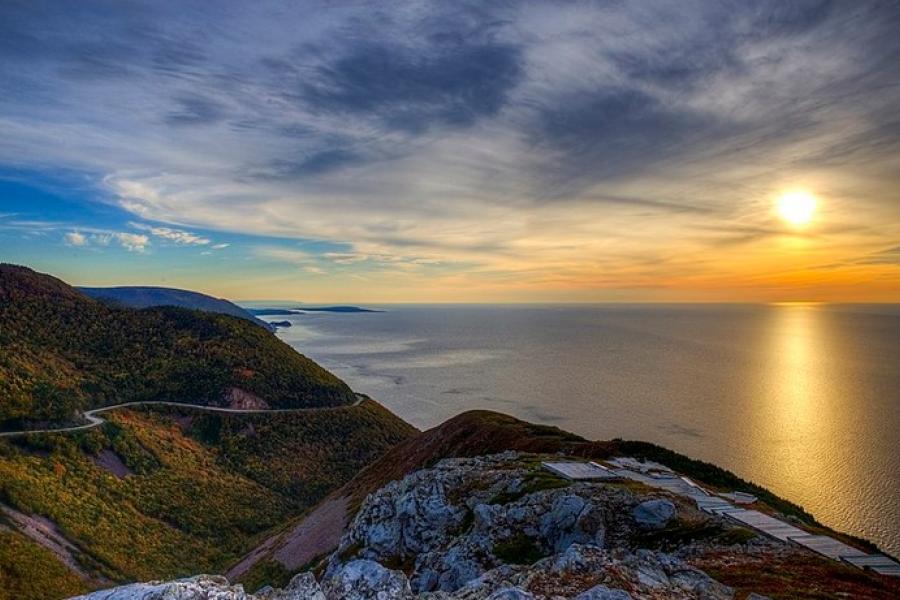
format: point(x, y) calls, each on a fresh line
point(209, 587)
point(239, 399)
point(452, 523)
point(487, 528)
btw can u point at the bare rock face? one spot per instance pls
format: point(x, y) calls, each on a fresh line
point(243, 400)
point(454, 522)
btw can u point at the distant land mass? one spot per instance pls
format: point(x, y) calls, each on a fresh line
point(149, 296)
point(338, 309)
point(273, 312)
point(302, 309)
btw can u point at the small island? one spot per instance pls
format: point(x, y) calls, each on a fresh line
point(338, 309)
point(272, 312)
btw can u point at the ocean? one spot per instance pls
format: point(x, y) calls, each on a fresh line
point(803, 399)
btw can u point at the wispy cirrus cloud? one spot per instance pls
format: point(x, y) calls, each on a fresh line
point(130, 241)
point(178, 236)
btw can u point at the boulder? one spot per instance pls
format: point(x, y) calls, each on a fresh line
point(302, 587)
point(559, 526)
point(366, 580)
point(601, 592)
point(511, 593)
point(654, 514)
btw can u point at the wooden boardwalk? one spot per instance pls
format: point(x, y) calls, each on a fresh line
point(879, 563)
point(762, 522)
point(660, 476)
point(827, 546)
point(577, 471)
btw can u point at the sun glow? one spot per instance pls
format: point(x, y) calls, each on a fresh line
point(797, 208)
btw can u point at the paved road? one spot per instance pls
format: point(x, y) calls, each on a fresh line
point(94, 420)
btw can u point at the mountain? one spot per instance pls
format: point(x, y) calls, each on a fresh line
point(147, 297)
point(63, 352)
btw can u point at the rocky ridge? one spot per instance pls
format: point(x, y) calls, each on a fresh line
point(491, 528)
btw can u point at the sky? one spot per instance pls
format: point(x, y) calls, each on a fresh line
point(455, 152)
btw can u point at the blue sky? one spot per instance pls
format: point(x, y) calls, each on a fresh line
point(418, 151)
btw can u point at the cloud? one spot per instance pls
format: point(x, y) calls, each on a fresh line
point(130, 241)
point(447, 79)
point(178, 236)
point(890, 256)
point(73, 238)
point(195, 110)
point(513, 141)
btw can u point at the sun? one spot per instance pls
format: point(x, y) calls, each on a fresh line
point(797, 208)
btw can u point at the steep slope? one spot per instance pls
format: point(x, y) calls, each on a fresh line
point(149, 296)
point(61, 352)
point(164, 492)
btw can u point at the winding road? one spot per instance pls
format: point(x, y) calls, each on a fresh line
point(94, 420)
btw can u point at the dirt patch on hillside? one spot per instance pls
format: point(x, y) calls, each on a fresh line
point(110, 461)
point(317, 534)
point(250, 559)
point(44, 532)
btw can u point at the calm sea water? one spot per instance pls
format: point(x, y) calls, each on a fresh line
point(803, 399)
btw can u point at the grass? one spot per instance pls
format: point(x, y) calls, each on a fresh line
point(467, 522)
point(796, 576)
point(263, 573)
point(680, 532)
point(518, 550)
point(404, 564)
point(535, 481)
point(31, 572)
point(350, 552)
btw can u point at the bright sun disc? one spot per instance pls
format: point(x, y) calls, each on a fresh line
point(797, 208)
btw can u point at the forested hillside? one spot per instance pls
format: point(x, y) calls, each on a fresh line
point(61, 352)
point(168, 491)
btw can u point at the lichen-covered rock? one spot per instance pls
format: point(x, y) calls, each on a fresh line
point(302, 587)
point(601, 592)
point(207, 587)
point(654, 514)
point(366, 580)
point(512, 593)
point(450, 522)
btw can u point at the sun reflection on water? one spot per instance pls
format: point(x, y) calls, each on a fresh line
point(800, 435)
